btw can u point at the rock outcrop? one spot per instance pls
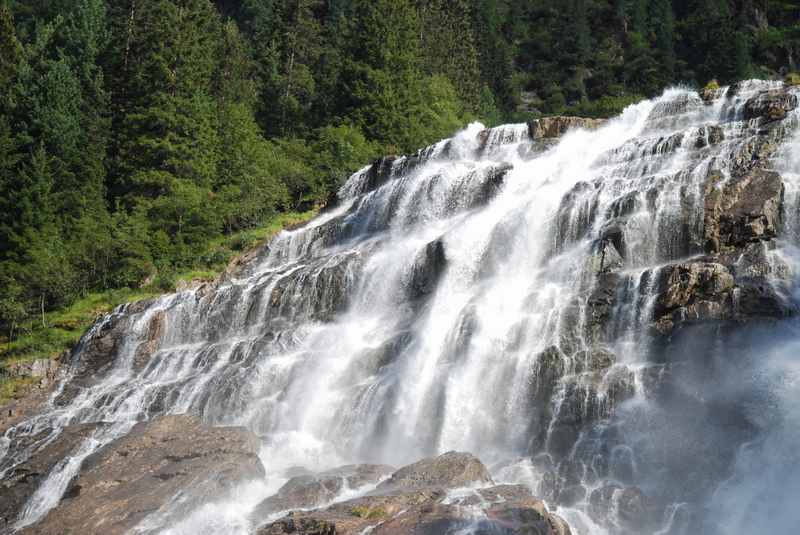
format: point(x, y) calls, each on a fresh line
point(742, 209)
point(428, 266)
point(554, 127)
point(312, 490)
point(770, 106)
point(95, 353)
point(21, 481)
point(727, 276)
point(449, 470)
point(122, 483)
point(418, 499)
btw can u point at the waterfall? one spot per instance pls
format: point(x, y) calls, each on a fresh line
point(555, 305)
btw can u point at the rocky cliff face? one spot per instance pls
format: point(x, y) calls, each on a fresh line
point(581, 304)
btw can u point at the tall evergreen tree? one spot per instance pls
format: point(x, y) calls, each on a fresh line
point(495, 57)
point(167, 145)
point(662, 20)
point(382, 74)
point(448, 46)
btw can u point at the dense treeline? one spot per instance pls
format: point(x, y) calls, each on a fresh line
point(132, 132)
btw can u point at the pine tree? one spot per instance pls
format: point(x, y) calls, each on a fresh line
point(10, 50)
point(709, 46)
point(495, 55)
point(639, 17)
point(383, 75)
point(166, 149)
point(663, 23)
point(448, 46)
point(287, 38)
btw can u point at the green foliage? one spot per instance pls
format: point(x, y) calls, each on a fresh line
point(46, 336)
point(368, 512)
point(13, 387)
point(606, 106)
point(141, 140)
point(340, 151)
point(448, 47)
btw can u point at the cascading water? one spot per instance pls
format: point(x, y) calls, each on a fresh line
point(513, 296)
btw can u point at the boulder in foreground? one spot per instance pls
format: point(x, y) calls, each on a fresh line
point(122, 483)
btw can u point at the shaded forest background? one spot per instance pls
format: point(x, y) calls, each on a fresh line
point(135, 132)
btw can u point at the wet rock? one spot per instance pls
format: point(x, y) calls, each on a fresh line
point(300, 526)
point(710, 94)
point(743, 209)
point(21, 481)
point(771, 105)
point(628, 504)
point(757, 150)
point(379, 173)
point(429, 265)
point(550, 366)
point(682, 285)
point(658, 380)
point(493, 182)
point(318, 291)
point(697, 292)
point(586, 399)
point(758, 298)
point(571, 495)
point(95, 353)
point(122, 483)
point(623, 206)
point(508, 510)
point(306, 491)
point(549, 485)
point(372, 360)
point(593, 360)
point(155, 330)
point(632, 506)
point(600, 304)
point(449, 470)
point(709, 135)
point(605, 256)
point(576, 215)
point(553, 127)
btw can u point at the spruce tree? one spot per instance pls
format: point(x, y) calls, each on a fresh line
point(10, 50)
point(495, 54)
point(382, 74)
point(448, 46)
point(663, 23)
point(167, 145)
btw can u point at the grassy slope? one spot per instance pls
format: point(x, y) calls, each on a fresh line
point(61, 329)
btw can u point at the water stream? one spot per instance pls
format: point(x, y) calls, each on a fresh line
point(445, 304)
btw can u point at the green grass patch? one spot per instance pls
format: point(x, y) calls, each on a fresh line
point(61, 329)
point(14, 387)
point(368, 512)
